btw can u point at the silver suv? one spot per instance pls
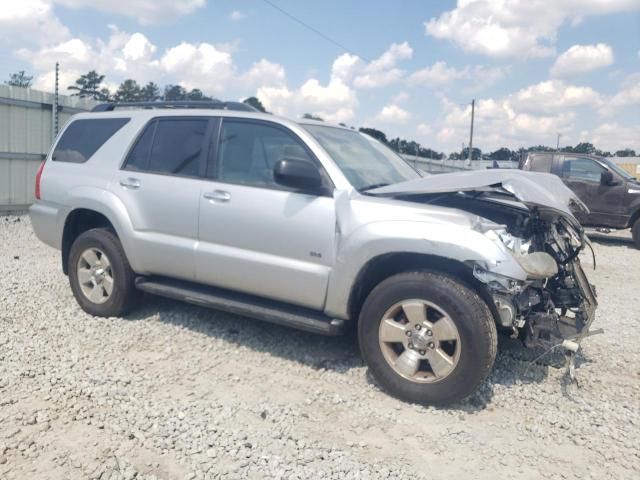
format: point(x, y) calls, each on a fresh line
point(318, 227)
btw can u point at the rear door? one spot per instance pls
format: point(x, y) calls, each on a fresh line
point(582, 175)
point(256, 236)
point(159, 185)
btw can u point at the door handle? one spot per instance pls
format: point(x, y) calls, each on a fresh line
point(131, 183)
point(217, 196)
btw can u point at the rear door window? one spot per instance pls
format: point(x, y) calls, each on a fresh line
point(82, 138)
point(174, 146)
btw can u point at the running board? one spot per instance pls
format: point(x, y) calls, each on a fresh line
point(241, 304)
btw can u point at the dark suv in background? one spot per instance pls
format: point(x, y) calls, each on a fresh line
point(611, 193)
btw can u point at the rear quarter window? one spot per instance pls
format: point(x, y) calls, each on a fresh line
point(539, 163)
point(84, 137)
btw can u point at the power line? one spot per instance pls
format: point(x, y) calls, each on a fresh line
point(314, 30)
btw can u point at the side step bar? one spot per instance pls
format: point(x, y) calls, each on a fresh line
point(242, 304)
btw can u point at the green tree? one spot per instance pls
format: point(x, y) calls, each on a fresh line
point(128, 91)
point(255, 103)
point(627, 152)
point(584, 147)
point(89, 86)
point(311, 116)
point(377, 134)
point(476, 153)
point(150, 92)
point(174, 92)
point(20, 79)
point(501, 154)
point(197, 95)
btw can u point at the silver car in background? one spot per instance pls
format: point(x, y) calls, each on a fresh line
point(318, 227)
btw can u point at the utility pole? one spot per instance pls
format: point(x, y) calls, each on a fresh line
point(558, 142)
point(54, 108)
point(473, 111)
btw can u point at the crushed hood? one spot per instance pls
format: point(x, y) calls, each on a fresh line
point(530, 188)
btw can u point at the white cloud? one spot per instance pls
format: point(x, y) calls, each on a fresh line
point(423, 129)
point(515, 28)
point(435, 75)
point(581, 59)
point(440, 74)
point(400, 98)
point(138, 47)
point(498, 123)
point(198, 65)
point(392, 114)
point(615, 136)
point(237, 16)
point(30, 21)
point(264, 73)
point(145, 11)
point(383, 71)
point(629, 93)
point(553, 95)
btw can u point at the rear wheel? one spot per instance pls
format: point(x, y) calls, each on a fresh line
point(427, 338)
point(99, 274)
point(635, 233)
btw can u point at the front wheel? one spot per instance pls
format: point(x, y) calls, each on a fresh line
point(427, 338)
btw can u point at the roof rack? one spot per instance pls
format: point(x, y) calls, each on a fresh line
point(217, 105)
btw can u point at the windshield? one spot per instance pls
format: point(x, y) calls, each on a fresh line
point(364, 161)
point(623, 173)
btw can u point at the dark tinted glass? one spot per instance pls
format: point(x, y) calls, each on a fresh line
point(583, 169)
point(139, 157)
point(84, 137)
point(249, 151)
point(177, 146)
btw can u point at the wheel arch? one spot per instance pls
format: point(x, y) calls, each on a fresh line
point(386, 265)
point(78, 221)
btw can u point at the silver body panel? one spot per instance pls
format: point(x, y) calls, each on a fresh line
point(302, 249)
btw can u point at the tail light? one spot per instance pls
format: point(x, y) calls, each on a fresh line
point(38, 177)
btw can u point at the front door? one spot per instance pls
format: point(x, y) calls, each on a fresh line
point(605, 202)
point(159, 186)
point(256, 236)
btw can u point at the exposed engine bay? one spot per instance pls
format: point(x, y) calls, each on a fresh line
point(533, 216)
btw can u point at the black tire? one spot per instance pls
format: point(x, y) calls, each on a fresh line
point(469, 313)
point(124, 293)
point(635, 233)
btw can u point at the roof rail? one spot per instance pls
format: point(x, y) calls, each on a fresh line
point(217, 105)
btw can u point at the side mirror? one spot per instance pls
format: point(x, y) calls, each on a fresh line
point(297, 174)
point(606, 178)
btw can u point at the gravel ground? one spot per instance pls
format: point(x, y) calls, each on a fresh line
point(181, 392)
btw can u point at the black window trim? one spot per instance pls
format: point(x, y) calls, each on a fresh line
point(77, 120)
point(212, 169)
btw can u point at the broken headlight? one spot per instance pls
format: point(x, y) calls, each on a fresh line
point(516, 245)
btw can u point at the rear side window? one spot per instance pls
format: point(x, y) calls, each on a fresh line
point(540, 163)
point(170, 146)
point(83, 138)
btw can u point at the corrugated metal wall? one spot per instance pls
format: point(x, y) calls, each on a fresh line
point(25, 137)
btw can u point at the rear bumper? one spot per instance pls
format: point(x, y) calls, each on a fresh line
point(45, 218)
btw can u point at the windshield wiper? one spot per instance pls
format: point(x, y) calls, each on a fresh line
point(372, 186)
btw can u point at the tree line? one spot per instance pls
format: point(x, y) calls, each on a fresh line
point(90, 85)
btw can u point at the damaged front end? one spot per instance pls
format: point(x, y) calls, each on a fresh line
point(530, 216)
point(555, 305)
